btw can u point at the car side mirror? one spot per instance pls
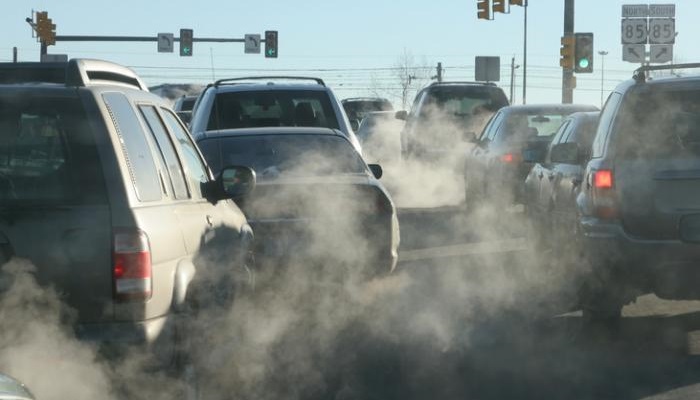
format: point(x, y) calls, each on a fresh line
point(402, 115)
point(469, 137)
point(377, 170)
point(235, 182)
point(566, 153)
point(355, 124)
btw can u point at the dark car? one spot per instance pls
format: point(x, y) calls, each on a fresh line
point(103, 190)
point(440, 116)
point(357, 108)
point(640, 202)
point(495, 170)
point(315, 196)
point(554, 182)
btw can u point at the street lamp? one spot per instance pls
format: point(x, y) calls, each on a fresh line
point(602, 53)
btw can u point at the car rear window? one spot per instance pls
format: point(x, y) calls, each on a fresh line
point(470, 107)
point(659, 124)
point(358, 109)
point(47, 152)
point(305, 155)
point(247, 109)
point(524, 126)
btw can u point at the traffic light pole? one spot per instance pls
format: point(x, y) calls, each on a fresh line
point(567, 77)
point(78, 38)
point(525, 54)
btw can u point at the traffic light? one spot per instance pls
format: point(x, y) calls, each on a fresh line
point(270, 44)
point(584, 53)
point(567, 52)
point(483, 8)
point(186, 36)
point(499, 6)
point(517, 2)
point(45, 28)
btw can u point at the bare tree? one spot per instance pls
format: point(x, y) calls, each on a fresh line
point(411, 76)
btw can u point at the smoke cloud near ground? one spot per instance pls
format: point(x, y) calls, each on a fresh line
point(314, 326)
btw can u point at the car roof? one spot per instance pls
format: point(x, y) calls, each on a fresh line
point(535, 108)
point(286, 130)
point(252, 86)
point(361, 99)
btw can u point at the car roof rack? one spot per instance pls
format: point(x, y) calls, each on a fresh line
point(462, 83)
point(77, 72)
point(366, 98)
point(640, 74)
point(255, 78)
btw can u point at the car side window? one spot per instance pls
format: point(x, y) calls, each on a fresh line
point(139, 159)
point(606, 119)
point(166, 150)
point(493, 127)
point(196, 169)
point(559, 137)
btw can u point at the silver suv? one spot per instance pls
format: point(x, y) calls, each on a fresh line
point(104, 191)
point(269, 101)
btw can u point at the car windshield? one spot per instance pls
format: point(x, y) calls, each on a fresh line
point(267, 108)
point(292, 155)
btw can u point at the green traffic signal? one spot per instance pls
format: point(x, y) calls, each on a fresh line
point(583, 63)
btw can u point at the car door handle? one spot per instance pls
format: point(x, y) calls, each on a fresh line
point(210, 220)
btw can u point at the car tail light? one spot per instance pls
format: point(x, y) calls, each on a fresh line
point(603, 179)
point(509, 158)
point(604, 199)
point(131, 270)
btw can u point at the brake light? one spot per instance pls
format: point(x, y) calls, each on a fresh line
point(131, 270)
point(603, 197)
point(509, 158)
point(603, 179)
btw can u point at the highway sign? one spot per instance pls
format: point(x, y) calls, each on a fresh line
point(634, 53)
point(634, 31)
point(635, 11)
point(166, 42)
point(662, 30)
point(661, 53)
point(662, 10)
point(252, 44)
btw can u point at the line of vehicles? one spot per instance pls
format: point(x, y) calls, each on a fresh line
point(141, 220)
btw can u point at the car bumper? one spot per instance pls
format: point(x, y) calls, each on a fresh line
point(671, 268)
point(117, 339)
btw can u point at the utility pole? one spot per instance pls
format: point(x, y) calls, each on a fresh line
point(14, 54)
point(567, 75)
point(525, 53)
point(602, 53)
point(513, 67)
point(439, 72)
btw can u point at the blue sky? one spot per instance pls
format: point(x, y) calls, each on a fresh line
point(352, 45)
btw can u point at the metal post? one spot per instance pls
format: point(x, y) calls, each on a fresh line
point(14, 54)
point(567, 75)
point(602, 53)
point(512, 79)
point(439, 72)
point(525, 54)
